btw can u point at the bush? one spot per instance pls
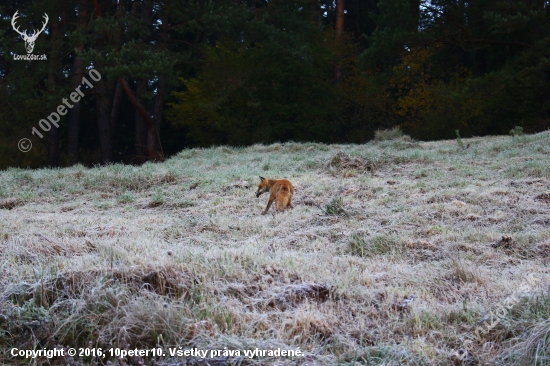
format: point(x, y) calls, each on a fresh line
point(384, 135)
point(335, 207)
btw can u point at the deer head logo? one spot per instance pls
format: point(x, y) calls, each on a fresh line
point(29, 39)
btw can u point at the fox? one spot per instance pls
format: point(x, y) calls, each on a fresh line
point(280, 191)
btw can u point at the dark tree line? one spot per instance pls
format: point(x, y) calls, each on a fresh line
point(184, 73)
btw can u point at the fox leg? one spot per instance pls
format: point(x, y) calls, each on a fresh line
point(280, 205)
point(268, 205)
point(290, 203)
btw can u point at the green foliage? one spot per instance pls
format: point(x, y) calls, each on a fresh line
point(126, 197)
point(158, 198)
point(396, 26)
point(259, 91)
point(460, 67)
point(516, 131)
point(358, 245)
point(241, 73)
point(335, 207)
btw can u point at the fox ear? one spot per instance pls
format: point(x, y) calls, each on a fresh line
point(262, 178)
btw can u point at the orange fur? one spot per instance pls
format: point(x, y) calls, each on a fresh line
point(280, 191)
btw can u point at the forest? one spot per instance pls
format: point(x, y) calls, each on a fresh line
point(176, 74)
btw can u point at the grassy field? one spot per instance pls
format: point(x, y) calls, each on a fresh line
point(395, 252)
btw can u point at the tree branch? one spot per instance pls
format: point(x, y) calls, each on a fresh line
point(97, 8)
point(137, 105)
point(153, 155)
point(503, 43)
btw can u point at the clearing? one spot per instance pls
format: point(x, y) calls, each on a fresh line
point(395, 253)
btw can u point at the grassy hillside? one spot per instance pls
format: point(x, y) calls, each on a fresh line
point(177, 254)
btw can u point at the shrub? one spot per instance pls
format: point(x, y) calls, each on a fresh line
point(384, 135)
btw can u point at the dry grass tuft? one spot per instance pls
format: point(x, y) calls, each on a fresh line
point(461, 271)
point(506, 242)
point(342, 162)
point(170, 178)
point(377, 245)
point(391, 134)
point(544, 197)
point(289, 296)
point(10, 203)
point(534, 350)
point(527, 332)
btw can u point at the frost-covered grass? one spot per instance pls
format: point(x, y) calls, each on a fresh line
point(177, 253)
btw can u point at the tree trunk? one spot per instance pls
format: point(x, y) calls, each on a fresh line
point(544, 77)
point(153, 135)
point(102, 101)
point(151, 154)
point(74, 113)
point(114, 88)
point(53, 141)
point(115, 109)
point(479, 64)
point(103, 122)
point(339, 78)
point(143, 145)
point(141, 126)
point(415, 12)
point(339, 36)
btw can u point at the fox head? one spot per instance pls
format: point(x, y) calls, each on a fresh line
point(262, 187)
